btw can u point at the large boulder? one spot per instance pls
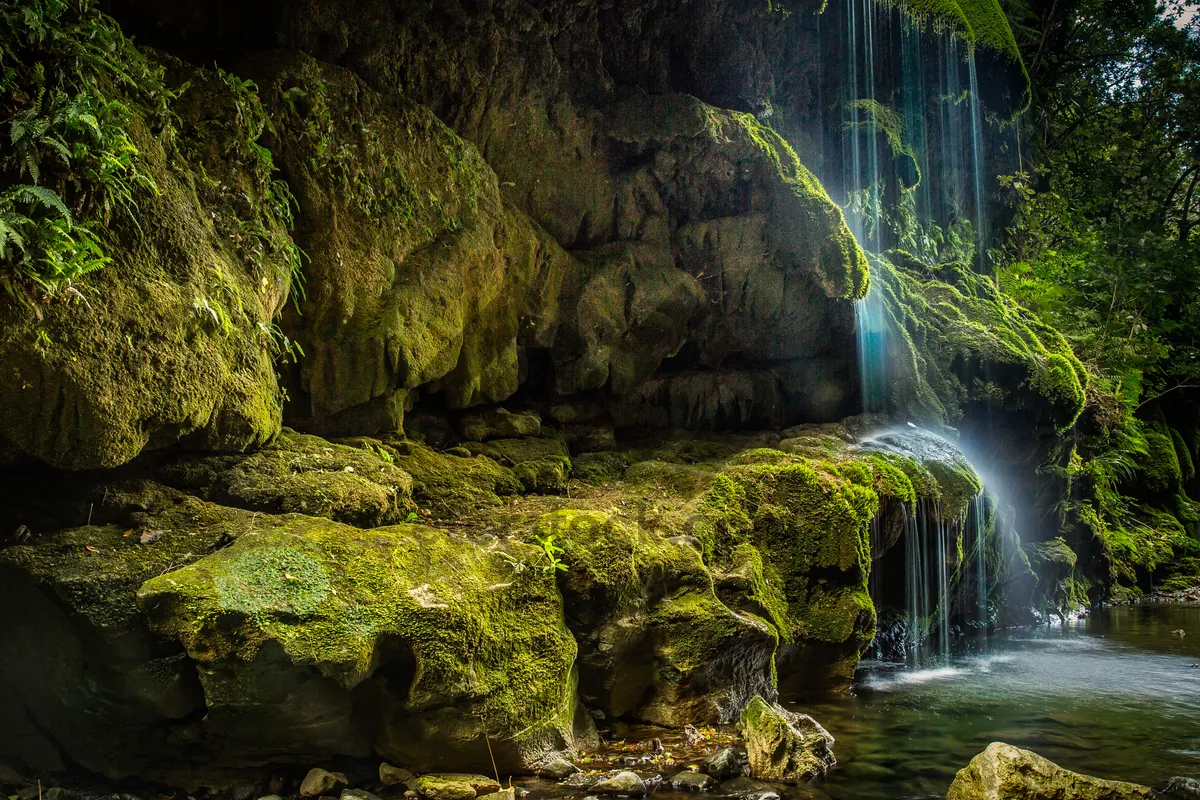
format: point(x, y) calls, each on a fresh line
point(174, 634)
point(172, 340)
point(1004, 772)
point(783, 746)
point(656, 643)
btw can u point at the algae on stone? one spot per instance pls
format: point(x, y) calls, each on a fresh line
point(655, 640)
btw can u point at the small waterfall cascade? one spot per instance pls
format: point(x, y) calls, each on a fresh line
point(873, 358)
point(977, 528)
point(916, 92)
point(931, 558)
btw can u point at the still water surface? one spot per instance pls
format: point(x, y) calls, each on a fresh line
point(1114, 695)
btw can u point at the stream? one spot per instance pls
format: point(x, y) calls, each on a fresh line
point(1114, 695)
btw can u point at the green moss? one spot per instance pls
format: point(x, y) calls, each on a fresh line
point(760, 586)
point(1159, 465)
point(946, 328)
point(1186, 465)
point(811, 528)
point(303, 474)
point(333, 597)
point(598, 468)
point(892, 481)
point(618, 572)
point(516, 451)
point(676, 480)
point(544, 476)
point(450, 485)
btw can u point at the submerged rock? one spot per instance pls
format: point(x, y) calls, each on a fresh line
point(557, 769)
point(784, 746)
point(358, 794)
point(726, 764)
point(745, 788)
point(688, 781)
point(1002, 772)
point(1183, 788)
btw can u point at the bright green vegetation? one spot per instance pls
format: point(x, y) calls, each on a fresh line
point(78, 96)
point(329, 594)
point(980, 22)
point(937, 315)
point(1104, 250)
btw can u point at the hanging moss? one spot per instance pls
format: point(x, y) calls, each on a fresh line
point(1159, 465)
point(949, 326)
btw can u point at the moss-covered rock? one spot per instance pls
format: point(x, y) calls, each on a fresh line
point(420, 273)
point(173, 339)
point(499, 423)
point(598, 468)
point(811, 526)
point(1006, 771)
point(444, 637)
point(656, 643)
point(450, 485)
point(306, 475)
point(783, 746)
point(953, 338)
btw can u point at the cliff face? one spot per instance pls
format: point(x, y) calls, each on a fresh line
point(388, 221)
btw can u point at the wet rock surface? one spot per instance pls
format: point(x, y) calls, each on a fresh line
point(1004, 771)
point(783, 746)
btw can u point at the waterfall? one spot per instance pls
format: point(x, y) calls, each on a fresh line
point(981, 233)
point(913, 102)
point(979, 533)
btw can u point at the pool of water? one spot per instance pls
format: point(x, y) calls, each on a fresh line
point(1114, 695)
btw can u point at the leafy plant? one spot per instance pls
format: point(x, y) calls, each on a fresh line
point(69, 138)
point(549, 559)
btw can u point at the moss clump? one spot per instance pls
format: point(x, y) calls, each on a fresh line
point(811, 526)
point(452, 485)
point(1186, 465)
point(1159, 464)
point(544, 475)
point(306, 475)
point(691, 657)
point(598, 468)
point(676, 480)
point(499, 423)
point(541, 465)
point(516, 451)
point(949, 330)
point(892, 481)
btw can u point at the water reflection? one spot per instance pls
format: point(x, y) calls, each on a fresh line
point(1113, 695)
